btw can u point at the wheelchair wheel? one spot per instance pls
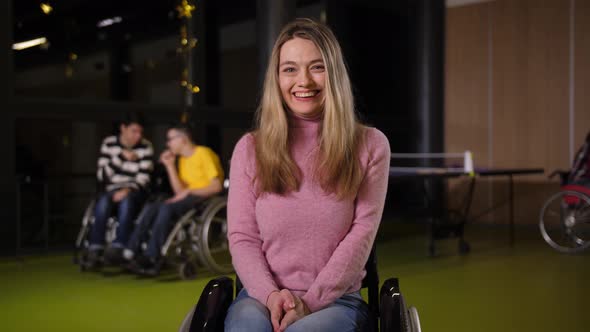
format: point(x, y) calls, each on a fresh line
point(414, 320)
point(212, 229)
point(188, 270)
point(179, 246)
point(565, 222)
point(81, 244)
point(464, 247)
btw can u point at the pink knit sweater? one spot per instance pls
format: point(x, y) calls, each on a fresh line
point(306, 241)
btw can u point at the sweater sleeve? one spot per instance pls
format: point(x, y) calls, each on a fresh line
point(245, 243)
point(348, 260)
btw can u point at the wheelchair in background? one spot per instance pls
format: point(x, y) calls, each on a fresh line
point(565, 217)
point(198, 238)
point(387, 309)
point(158, 190)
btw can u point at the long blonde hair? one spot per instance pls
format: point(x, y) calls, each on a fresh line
point(337, 167)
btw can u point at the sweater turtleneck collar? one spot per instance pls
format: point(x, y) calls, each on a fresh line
point(303, 135)
point(306, 125)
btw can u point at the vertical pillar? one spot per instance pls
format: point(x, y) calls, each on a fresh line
point(206, 63)
point(428, 90)
point(271, 16)
point(8, 192)
point(207, 53)
point(6, 62)
point(405, 99)
point(428, 76)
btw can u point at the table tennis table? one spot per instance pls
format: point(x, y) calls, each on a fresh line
point(454, 225)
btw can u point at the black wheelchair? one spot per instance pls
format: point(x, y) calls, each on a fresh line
point(198, 238)
point(388, 310)
point(565, 217)
point(82, 243)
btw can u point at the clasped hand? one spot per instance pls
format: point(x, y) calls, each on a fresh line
point(167, 158)
point(130, 155)
point(285, 309)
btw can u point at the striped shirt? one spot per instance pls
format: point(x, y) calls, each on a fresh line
point(116, 172)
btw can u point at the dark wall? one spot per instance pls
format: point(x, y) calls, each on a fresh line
point(395, 55)
point(383, 42)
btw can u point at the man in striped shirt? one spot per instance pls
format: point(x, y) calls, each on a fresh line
point(124, 169)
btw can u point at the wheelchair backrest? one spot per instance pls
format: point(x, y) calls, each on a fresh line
point(581, 165)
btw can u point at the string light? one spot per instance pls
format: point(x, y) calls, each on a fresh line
point(185, 9)
point(69, 70)
point(46, 8)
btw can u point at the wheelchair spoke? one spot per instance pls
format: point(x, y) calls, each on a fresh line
point(578, 241)
point(213, 238)
point(584, 219)
point(565, 221)
point(584, 211)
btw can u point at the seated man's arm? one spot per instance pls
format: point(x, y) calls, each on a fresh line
point(214, 188)
point(167, 158)
point(103, 170)
point(211, 170)
point(146, 165)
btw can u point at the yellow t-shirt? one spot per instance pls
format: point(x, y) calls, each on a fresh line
point(200, 168)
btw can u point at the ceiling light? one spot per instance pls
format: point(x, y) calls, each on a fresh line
point(109, 21)
point(29, 43)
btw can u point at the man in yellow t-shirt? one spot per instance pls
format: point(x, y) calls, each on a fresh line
point(199, 175)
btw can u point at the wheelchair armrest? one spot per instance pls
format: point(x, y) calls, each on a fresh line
point(209, 313)
point(393, 307)
point(563, 175)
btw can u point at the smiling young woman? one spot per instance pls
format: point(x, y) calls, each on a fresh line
point(302, 77)
point(307, 77)
point(306, 194)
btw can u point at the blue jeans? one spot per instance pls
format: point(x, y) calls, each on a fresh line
point(348, 313)
point(163, 217)
point(128, 209)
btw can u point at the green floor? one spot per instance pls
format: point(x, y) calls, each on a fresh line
point(528, 287)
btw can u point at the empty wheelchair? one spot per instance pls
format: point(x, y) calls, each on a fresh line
point(565, 217)
point(199, 238)
point(388, 310)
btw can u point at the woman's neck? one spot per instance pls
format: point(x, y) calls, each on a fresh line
point(299, 121)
